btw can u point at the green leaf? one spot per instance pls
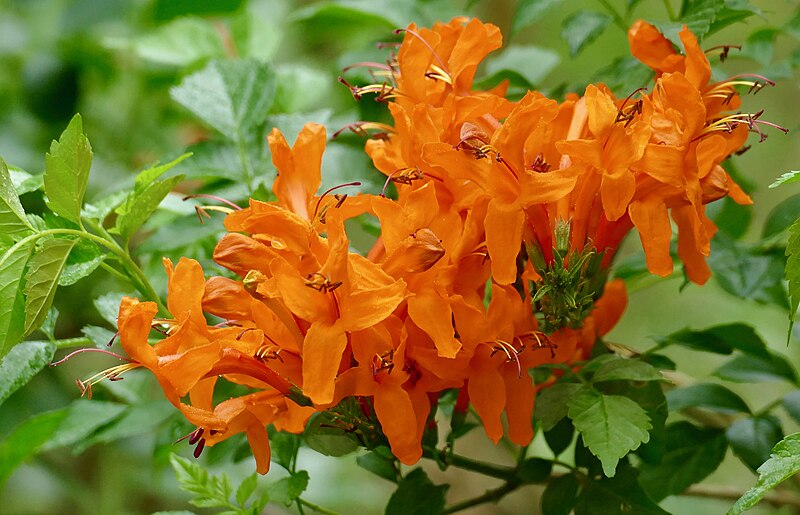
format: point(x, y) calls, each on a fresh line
point(12, 300)
point(108, 306)
point(284, 447)
point(535, 470)
point(139, 419)
point(48, 327)
point(514, 64)
point(560, 495)
point(83, 418)
point(624, 75)
point(417, 495)
point(733, 219)
point(12, 216)
point(363, 22)
point(691, 454)
point(583, 27)
point(622, 369)
point(787, 178)
point(322, 436)
point(44, 271)
point(530, 11)
point(84, 259)
point(230, 96)
point(792, 272)
point(287, 489)
point(791, 403)
point(138, 207)
point(752, 369)
point(760, 45)
point(21, 364)
point(246, 488)
point(300, 88)
point(26, 440)
point(782, 216)
point(551, 403)
point(379, 465)
point(611, 425)
point(783, 463)
point(709, 395)
point(560, 437)
point(752, 438)
point(181, 42)
point(721, 339)
point(169, 9)
point(620, 495)
point(67, 171)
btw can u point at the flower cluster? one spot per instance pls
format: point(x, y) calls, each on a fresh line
point(492, 259)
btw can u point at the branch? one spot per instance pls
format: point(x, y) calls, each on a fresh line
point(489, 496)
point(776, 498)
point(487, 469)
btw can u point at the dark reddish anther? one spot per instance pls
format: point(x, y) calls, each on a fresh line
point(199, 449)
point(195, 436)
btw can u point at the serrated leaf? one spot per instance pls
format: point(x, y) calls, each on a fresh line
point(83, 418)
point(324, 437)
point(67, 171)
point(622, 369)
point(84, 259)
point(691, 454)
point(190, 475)
point(752, 438)
point(792, 272)
point(181, 42)
point(787, 178)
point(560, 495)
point(752, 369)
point(12, 300)
point(27, 439)
point(709, 395)
point(620, 495)
point(12, 215)
point(287, 489)
point(530, 11)
point(583, 27)
point(417, 495)
point(44, 270)
point(783, 463)
point(611, 425)
point(551, 403)
point(100, 209)
point(246, 488)
point(21, 364)
point(230, 96)
point(782, 216)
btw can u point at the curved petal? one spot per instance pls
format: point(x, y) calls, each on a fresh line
point(322, 353)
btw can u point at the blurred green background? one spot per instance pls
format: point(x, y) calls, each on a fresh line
point(114, 61)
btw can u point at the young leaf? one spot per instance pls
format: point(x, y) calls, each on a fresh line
point(787, 178)
point(67, 171)
point(792, 272)
point(12, 216)
point(691, 454)
point(583, 27)
point(711, 396)
point(21, 364)
point(12, 301)
point(752, 438)
point(230, 96)
point(139, 419)
point(417, 495)
point(181, 42)
point(26, 440)
point(44, 270)
point(611, 425)
point(145, 198)
point(246, 488)
point(83, 418)
point(783, 463)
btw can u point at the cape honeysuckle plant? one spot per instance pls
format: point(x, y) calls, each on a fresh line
point(471, 285)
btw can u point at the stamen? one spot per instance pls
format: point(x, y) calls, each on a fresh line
point(627, 114)
point(539, 164)
point(213, 197)
point(322, 284)
point(80, 351)
point(510, 352)
point(725, 49)
point(361, 128)
point(442, 66)
point(316, 208)
point(384, 361)
point(402, 176)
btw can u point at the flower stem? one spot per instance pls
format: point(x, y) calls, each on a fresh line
point(618, 21)
point(670, 11)
point(69, 343)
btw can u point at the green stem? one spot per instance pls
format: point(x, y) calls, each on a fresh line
point(618, 21)
point(490, 496)
point(69, 343)
point(116, 273)
point(246, 164)
point(670, 11)
point(315, 507)
point(487, 469)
